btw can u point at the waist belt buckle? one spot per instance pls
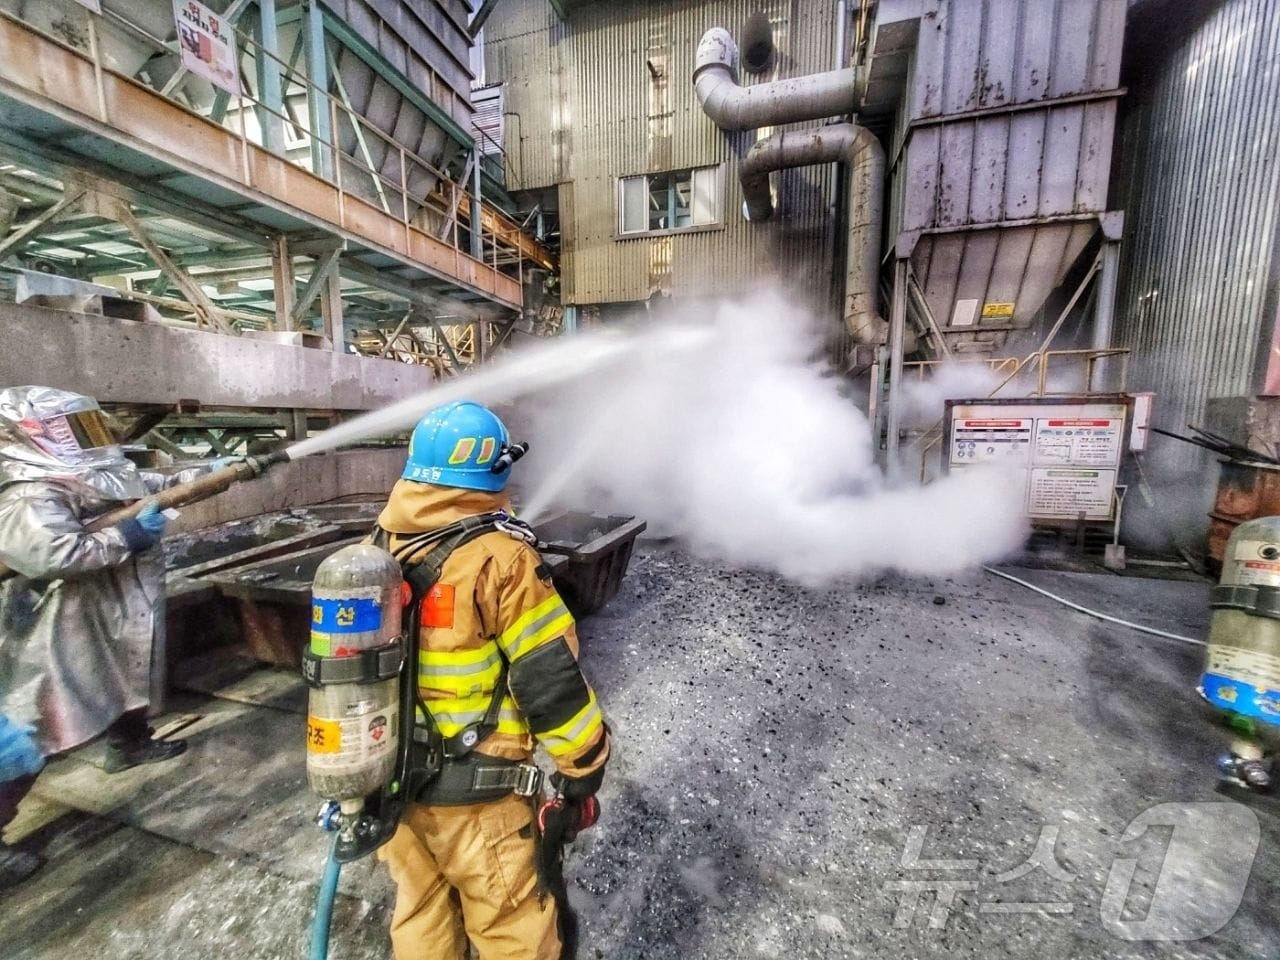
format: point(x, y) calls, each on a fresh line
point(528, 780)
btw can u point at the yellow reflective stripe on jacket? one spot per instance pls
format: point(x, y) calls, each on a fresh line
point(577, 733)
point(463, 672)
point(548, 620)
point(452, 714)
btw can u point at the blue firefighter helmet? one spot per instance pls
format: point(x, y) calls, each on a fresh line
point(457, 445)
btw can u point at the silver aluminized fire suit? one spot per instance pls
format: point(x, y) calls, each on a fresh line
point(78, 622)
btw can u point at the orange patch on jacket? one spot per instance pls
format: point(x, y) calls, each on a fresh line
point(437, 606)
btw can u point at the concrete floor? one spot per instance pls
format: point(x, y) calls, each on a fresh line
point(793, 769)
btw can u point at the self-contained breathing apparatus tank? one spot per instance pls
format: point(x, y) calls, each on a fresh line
point(1241, 679)
point(353, 665)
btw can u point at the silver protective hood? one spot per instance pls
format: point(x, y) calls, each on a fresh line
point(38, 442)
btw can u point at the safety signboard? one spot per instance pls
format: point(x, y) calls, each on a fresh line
point(208, 44)
point(1068, 450)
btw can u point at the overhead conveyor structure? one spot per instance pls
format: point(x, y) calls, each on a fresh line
point(297, 204)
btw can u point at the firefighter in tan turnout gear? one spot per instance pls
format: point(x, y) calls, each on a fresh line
point(497, 671)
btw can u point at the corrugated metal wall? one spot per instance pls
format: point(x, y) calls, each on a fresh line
point(968, 157)
point(1200, 183)
point(977, 55)
point(609, 94)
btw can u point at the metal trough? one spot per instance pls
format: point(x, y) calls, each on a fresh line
point(270, 584)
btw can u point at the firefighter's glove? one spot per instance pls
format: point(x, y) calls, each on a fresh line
point(145, 530)
point(561, 819)
point(574, 807)
point(19, 755)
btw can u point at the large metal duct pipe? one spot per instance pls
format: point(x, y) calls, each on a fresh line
point(858, 148)
point(757, 43)
point(734, 107)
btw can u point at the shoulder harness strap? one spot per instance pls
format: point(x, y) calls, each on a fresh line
point(421, 575)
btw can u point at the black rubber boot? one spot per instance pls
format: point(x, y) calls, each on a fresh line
point(16, 865)
point(125, 756)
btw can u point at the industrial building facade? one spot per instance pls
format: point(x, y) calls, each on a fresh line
point(604, 97)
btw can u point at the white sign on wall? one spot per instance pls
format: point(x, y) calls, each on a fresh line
point(1069, 452)
point(208, 44)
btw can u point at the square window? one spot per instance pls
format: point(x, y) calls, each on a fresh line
point(669, 201)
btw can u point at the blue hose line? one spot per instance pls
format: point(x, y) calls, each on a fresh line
point(324, 904)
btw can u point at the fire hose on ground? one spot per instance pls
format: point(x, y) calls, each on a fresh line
point(320, 925)
point(1152, 631)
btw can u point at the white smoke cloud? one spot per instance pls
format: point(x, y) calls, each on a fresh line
point(924, 401)
point(745, 447)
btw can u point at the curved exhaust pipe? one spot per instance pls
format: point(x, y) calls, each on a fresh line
point(735, 107)
point(758, 51)
point(858, 148)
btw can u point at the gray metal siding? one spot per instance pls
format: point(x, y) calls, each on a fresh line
point(1200, 183)
point(983, 54)
point(591, 111)
point(983, 138)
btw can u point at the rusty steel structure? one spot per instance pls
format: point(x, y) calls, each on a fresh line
point(327, 197)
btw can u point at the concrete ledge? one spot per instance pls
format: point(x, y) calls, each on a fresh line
point(318, 479)
point(125, 361)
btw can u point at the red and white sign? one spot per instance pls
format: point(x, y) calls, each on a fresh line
point(1070, 452)
point(208, 44)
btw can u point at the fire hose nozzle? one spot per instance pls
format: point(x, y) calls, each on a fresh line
point(510, 455)
point(260, 465)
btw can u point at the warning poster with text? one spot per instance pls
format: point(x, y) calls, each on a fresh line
point(1090, 441)
point(208, 44)
point(1066, 493)
point(1069, 452)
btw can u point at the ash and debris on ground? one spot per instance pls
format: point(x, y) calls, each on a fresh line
point(791, 766)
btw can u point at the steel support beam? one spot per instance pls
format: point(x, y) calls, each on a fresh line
point(477, 222)
point(481, 15)
point(386, 347)
point(270, 90)
point(444, 342)
point(1105, 308)
point(317, 100)
point(897, 337)
point(455, 197)
point(204, 308)
point(331, 311)
point(297, 424)
point(147, 193)
point(931, 325)
point(321, 273)
point(405, 290)
point(361, 143)
point(32, 227)
point(282, 281)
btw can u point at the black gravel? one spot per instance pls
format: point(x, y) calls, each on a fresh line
point(793, 768)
